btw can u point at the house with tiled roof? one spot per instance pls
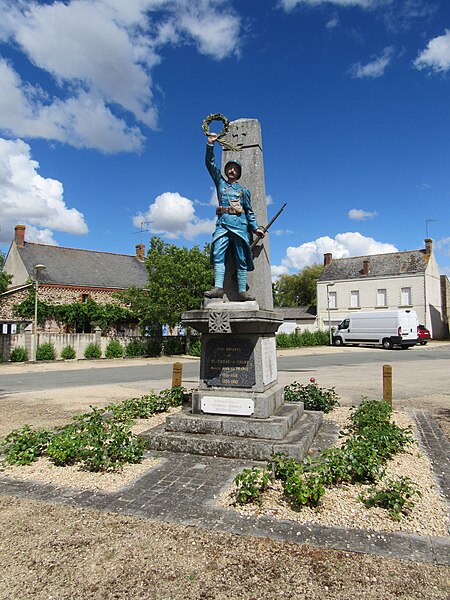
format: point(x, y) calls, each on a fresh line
point(398, 280)
point(67, 275)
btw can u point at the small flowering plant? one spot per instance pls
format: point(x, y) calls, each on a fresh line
point(312, 396)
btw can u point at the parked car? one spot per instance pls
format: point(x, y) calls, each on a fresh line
point(423, 334)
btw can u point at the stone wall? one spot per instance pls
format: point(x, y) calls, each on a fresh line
point(56, 295)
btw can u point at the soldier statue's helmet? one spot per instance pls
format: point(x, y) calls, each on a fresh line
point(234, 162)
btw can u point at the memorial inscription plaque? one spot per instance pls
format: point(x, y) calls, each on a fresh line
point(227, 406)
point(229, 362)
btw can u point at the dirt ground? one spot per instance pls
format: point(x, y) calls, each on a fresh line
point(53, 552)
point(57, 552)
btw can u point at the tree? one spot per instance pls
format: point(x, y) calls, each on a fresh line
point(177, 279)
point(298, 289)
point(5, 279)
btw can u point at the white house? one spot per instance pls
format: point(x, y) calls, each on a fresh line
point(383, 282)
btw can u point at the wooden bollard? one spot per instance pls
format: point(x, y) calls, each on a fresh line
point(387, 384)
point(177, 374)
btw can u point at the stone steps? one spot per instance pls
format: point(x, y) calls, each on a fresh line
point(295, 443)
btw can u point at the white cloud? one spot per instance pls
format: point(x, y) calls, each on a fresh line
point(81, 121)
point(39, 236)
point(289, 5)
point(361, 215)
point(436, 55)
point(342, 246)
point(277, 271)
point(444, 245)
point(373, 69)
point(29, 198)
point(215, 34)
point(332, 23)
point(97, 57)
point(281, 232)
point(173, 216)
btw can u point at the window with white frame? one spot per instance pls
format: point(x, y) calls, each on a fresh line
point(354, 299)
point(333, 299)
point(406, 296)
point(382, 297)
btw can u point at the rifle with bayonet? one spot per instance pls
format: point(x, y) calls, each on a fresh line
point(266, 228)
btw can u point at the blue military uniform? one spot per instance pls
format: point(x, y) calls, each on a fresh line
point(235, 221)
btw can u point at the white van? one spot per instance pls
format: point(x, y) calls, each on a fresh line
point(387, 329)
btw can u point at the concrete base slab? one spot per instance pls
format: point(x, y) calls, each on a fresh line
point(296, 443)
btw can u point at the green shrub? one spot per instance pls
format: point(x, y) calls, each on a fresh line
point(173, 346)
point(100, 440)
point(196, 348)
point(23, 446)
point(68, 353)
point(304, 489)
point(65, 448)
point(284, 340)
point(135, 348)
point(371, 421)
point(46, 351)
point(146, 406)
point(107, 444)
point(114, 349)
point(19, 354)
point(250, 484)
point(369, 414)
point(305, 338)
point(283, 466)
point(92, 351)
point(395, 496)
point(99, 443)
point(153, 347)
point(313, 396)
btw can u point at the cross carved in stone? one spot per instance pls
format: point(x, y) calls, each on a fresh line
point(239, 135)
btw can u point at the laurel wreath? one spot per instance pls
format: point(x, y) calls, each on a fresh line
point(226, 126)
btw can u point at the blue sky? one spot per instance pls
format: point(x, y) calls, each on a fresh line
point(102, 103)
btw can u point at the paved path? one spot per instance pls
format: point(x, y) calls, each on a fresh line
point(182, 489)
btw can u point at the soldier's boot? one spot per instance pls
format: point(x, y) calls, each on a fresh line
point(216, 292)
point(245, 296)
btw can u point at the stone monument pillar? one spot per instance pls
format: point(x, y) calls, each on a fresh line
point(238, 411)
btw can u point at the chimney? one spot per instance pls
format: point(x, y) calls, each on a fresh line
point(19, 235)
point(366, 267)
point(428, 246)
point(327, 258)
point(140, 251)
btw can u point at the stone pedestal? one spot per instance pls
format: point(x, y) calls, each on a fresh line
point(239, 361)
point(238, 410)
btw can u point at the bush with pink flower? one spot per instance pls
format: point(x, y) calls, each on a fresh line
point(312, 396)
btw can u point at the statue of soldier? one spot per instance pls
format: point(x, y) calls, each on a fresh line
point(235, 222)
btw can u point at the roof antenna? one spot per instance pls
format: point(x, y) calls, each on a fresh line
point(141, 230)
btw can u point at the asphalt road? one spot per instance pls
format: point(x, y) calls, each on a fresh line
point(435, 359)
